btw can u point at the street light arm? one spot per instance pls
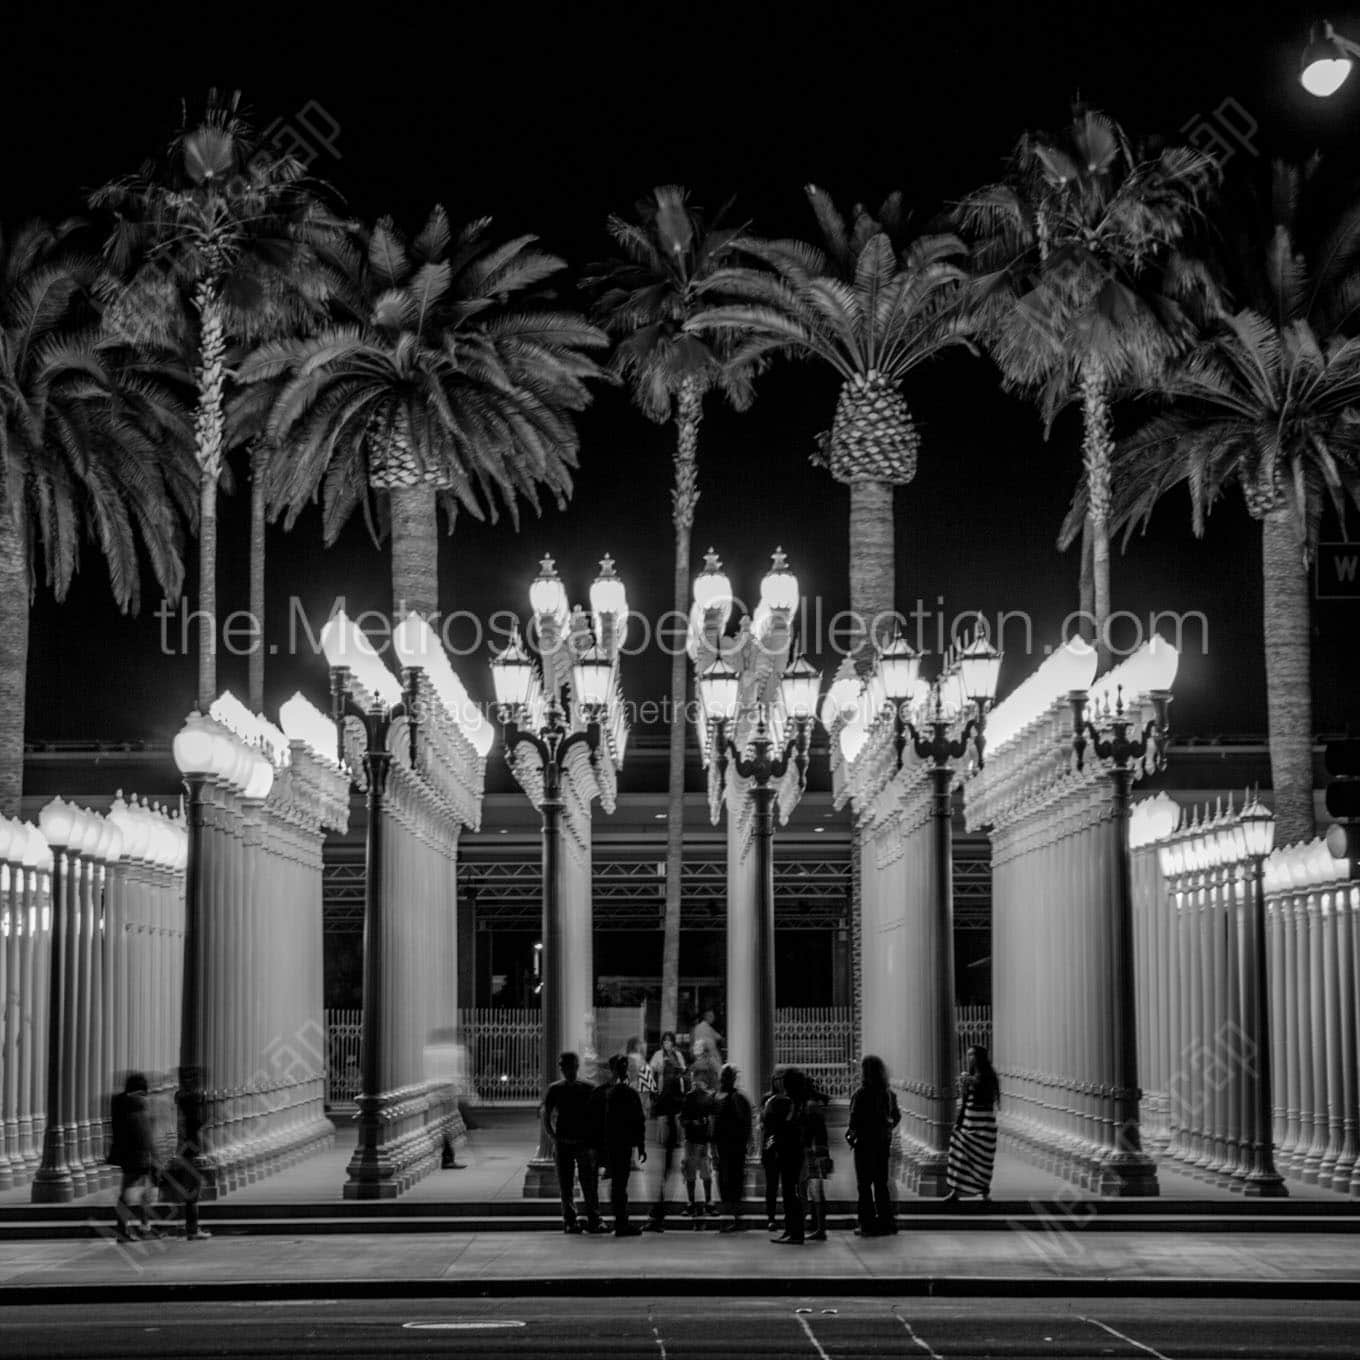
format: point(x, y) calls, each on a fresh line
point(1119, 747)
point(937, 746)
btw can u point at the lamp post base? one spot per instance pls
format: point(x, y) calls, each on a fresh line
point(540, 1179)
point(1264, 1185)
point(1128, 1176)
point(53, 1187)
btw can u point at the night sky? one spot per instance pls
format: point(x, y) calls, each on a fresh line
point(548, 123)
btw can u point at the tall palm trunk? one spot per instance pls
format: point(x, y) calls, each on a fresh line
point(415, 550)
point(255, 685)
point(1086, 600)
point(13, 654)
point(209, 421)
point(1289, 695)
point(689, 412)
point(872, 576)
point(1097, 452)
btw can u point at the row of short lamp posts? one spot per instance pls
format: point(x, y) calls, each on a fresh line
point(538, 717)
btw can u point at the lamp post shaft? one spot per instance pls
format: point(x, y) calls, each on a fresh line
point(377, 763)
point(942, 813)
point(550, 962)
point(1262, 1180)
point(53, 1182)
point(762, 830)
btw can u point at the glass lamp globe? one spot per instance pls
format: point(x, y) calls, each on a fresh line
point(7, 837)
point(1258, 830)
point(845, 688)
point(303, 721)
point(547, 594)
point(853, 736)
point(1072, 667)
point(193, 746)
point(1325, 65)
point(512, 673)
point(779, 586)
point(591, 674)
point(607, 593)
point(37, 850)
point(899, 666)
point(57, 821)
point(799, 687)
point(261, 777)
point(114, 841)
point(719, 691)
point(980, 669)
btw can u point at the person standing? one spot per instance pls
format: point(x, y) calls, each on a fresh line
point(625, 1131)
point(696, 1124)
point(873, 1117)
point(666, 1108)
point(731, 1139)
point(567, 1121)
point(184, 1180)
point(816, 1163)
point(706, 1034)
point(972, 1147)
point(772, 1111)
point(133, 1153)
point(791, 1156)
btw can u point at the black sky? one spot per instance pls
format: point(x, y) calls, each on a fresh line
point(548, 121)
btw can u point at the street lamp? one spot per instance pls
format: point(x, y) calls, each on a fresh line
point(364, 689)
point(551, 710)
point(1256, 838)
point(1327, 61)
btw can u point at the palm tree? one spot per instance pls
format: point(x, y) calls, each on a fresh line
point(454, 382)
point(873, 305)
point(646, 298)
point(82, 427)
point(1074, 294)
point(1269, 402)
point(223, 243)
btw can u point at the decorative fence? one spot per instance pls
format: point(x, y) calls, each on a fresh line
point(504, 1045)
point(344, 1030)
point(821, 1041)
point(974, 1027)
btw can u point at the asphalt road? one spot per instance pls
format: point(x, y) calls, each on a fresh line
point(678, 1329)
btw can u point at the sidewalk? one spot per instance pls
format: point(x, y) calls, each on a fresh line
point(941, 1262)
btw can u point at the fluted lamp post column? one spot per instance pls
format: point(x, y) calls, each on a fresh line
point(519, 697)
point(1127, 1170)
point(968, 682)
point(764, 767)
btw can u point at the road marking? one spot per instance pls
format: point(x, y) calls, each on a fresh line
point(457, 1326)
point(924, 1345)
point(660, 1344)
point(1098, 1323)
point(816, 1345)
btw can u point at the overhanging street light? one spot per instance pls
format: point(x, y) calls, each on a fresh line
point(1327, 61)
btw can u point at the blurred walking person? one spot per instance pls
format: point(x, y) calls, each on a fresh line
point(790, 1154)
point(696, 1163)
point(567, 1122)
point(873, 1117)
point(731, 1139)
point(625, 1131)
point(772, 1110)
point(134, 1153)
point(972, 1146)
point(666, 1108)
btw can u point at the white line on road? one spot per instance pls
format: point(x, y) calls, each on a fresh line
point(816, 1345)
point(1098, 1323)
point(923, 1344)
point(456, 1326)
point(660, 1344)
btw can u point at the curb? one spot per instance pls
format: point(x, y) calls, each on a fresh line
point(853, 1286)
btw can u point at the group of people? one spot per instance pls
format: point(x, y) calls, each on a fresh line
point(704, 1125)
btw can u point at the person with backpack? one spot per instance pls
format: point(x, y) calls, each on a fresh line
point(624, 1130)
point(731, 1138)
point(873, 1117)
point(696, 1124)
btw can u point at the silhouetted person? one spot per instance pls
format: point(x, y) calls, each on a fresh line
point(696, 1124)
point(791, 1155)
point(873, 1117)
point(772, 1110)
point(567, 1121)
point(666, 1108)
point(625, 1130)
point(731, 1138)
point(185, 1182)
point(816, 1162)
point(134, 1153)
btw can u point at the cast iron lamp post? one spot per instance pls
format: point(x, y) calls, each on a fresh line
point(1327, 60)
point(363, 688)
point(765, 766)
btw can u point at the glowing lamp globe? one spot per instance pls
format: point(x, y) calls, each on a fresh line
point(479, 732)
point(91, 827)
point(261, 777)
point(7, 830)
point(37, 850)
point(114, 843)
point(899, 667)
point(547, 594)
point(193, 746)
point(1258, 830)
point(591, 674)
point(719, 691)
point(853, 736)
point(1325, 65)
point(58, 823)
point(607, 592)
point(845, 688)
point(1071, 668)
point(799, 687)
point(303, 721)
point(779, 586)
point(512, 674)
point(980, 669)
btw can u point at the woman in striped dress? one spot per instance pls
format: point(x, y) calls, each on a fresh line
point(972, 1149)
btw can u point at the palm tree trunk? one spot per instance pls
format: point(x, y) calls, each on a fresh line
point(257, 516)
point(1097, 450)
point(415, 550)
point(1289, 691)
point(872, 570)
point(209, 421)
point(13, 654)
point(689, 411)
point(1087, 598)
